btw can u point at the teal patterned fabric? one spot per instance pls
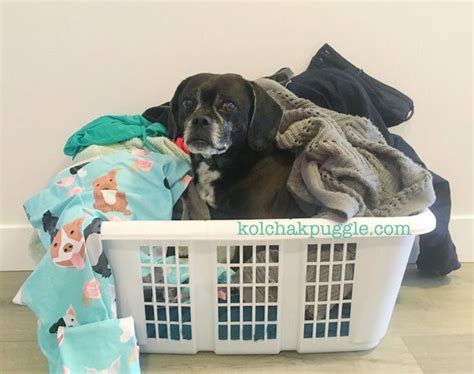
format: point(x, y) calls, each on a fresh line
point(72, 289)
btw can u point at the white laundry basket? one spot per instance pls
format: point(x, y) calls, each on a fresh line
point(320, 294)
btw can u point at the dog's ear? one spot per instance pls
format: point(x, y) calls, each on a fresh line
point(264, 120)
point(173, 130)
point(157, 113)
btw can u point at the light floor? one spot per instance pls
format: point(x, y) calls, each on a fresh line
point(432, 331)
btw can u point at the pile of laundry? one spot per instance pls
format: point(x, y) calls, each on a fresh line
point(332, 82)
point(126, 168)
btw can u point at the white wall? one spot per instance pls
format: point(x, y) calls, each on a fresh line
point(64, 64)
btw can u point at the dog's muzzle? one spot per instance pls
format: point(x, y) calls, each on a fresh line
point(204, 136)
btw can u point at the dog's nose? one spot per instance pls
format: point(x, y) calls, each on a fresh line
point(68, 248)
point(201, 121)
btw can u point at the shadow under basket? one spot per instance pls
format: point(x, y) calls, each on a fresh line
point(207, 286)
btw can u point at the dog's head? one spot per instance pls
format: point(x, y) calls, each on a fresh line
point(107, 182)
point(67, 247)
point(214, 112)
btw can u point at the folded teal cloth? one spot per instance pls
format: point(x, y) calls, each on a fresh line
point(107, 130)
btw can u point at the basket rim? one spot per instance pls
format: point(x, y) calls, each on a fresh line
point(420, 223)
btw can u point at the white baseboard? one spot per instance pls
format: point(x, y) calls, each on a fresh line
point(462, 232)
point(14, 239)
point(14, 253)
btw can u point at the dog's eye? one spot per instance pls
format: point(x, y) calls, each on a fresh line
point(72, 232)
point(228, 106)
point(55, 245)
point(188, 104)
point(110, 180)
point(97, 185)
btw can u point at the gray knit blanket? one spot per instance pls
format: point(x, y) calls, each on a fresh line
point(344, 165)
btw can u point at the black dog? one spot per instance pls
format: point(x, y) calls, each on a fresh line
point(95, 252)
point(229, 125)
